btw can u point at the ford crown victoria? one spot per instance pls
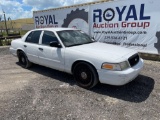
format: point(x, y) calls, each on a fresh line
point(72, 51)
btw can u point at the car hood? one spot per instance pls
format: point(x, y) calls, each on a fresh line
point(103, 51)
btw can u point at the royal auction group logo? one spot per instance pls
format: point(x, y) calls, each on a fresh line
point(108, 14)
point(131, 16)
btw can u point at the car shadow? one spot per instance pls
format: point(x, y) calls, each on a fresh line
point(55, 74)
point(136, 91)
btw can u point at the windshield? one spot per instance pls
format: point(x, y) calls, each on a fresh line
point(74, 37)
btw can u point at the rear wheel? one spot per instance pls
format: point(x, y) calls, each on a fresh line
point(85, 75)
point(23, 60)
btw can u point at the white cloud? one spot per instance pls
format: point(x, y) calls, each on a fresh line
point(13, 9)
point(41, 4)
point(16, 10)
point(72, 2)
point(44, 4)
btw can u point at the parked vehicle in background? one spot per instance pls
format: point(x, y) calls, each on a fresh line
point(73, 51)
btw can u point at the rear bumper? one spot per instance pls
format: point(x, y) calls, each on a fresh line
point(120, 77)
point(13, 51)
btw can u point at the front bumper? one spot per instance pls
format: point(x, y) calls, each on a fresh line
point(120, 77)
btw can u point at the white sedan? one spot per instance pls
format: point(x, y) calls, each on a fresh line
point(74, 52)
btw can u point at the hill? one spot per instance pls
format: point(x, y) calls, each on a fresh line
point(17, 24)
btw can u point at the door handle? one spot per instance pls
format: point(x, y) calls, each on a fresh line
point(25, 45)
point(40, 49)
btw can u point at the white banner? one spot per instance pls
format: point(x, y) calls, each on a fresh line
point(74, 17)
point(133, 24)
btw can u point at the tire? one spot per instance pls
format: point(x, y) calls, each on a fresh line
point(23, 60)
point(85, 75)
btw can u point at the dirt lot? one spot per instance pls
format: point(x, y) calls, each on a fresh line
point(40, 93)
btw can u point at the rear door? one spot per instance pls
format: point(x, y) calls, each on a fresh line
point(52, 57)
point(31, 46)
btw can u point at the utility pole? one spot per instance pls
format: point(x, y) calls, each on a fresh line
point(0, 21)
point(5, 23)
point(9, 19)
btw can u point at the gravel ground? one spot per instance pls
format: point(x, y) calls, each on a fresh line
point(40, 93)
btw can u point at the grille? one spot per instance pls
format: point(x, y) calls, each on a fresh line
point(133, 60)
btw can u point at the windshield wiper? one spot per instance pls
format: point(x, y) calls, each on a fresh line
point(81, 44)
point(74, 45)
point(89, 42)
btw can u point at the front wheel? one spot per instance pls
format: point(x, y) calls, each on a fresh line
point(85, 75)
point(23, 60)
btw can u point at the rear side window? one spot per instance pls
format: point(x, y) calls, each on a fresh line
point(48, 37)
point(33, 37)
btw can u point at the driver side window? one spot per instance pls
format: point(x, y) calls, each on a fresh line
point(48, 37)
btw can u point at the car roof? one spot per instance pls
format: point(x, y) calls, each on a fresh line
point(55, 29)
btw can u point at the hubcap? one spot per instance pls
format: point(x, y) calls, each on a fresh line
point(84, 75)
point(23, 60)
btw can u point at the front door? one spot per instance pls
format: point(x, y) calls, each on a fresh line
point(52, 57)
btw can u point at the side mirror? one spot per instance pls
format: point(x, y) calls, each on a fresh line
point(55, 44)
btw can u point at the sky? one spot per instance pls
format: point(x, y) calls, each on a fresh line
point(17, 9)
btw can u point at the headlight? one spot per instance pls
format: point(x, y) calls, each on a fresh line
point(116, 66)
point(124, 65)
